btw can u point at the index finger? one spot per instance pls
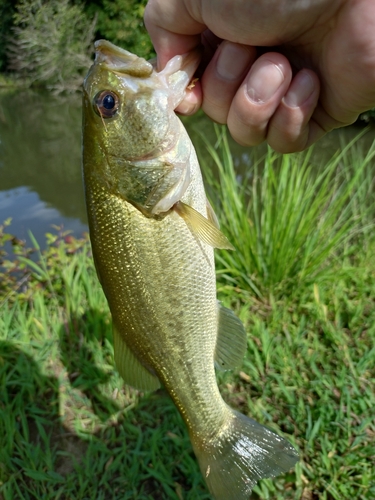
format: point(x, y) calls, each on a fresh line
point(173, 30)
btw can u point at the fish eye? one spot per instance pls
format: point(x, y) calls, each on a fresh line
point(106, 103)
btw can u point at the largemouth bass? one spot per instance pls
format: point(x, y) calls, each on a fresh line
point(153, 233)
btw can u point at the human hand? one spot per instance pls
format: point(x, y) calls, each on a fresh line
point(277, 70)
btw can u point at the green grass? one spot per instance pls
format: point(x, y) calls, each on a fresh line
point(289, 221)
point(303, 281)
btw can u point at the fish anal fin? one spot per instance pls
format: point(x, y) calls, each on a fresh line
point(130, 368)
point(231, 340)
point(202, 228)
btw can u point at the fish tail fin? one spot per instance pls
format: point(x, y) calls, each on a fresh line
point(240, 455)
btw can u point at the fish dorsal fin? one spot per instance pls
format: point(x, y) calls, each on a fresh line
point(231, 340)
point(130, 369)
point(202, 228)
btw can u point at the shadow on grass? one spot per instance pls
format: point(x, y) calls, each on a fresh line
point(30, 425)
point(84, 343)
point(136, 449)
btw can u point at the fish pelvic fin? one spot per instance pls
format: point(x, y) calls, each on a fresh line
point(130, 368)
point(231, 340)
point(202, 228)
point(242, 454)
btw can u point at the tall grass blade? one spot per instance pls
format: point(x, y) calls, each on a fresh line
point(288, 221)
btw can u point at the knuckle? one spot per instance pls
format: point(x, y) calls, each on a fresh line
point(152, 12)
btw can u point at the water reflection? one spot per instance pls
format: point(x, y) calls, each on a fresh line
point(40, 157)
point(40, 174)
point(30, 213)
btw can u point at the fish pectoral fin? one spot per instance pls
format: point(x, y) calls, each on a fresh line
point(211, 216)
point(204, 229)
point(130, 368)
point(231, 340)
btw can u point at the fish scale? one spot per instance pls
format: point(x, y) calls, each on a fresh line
point(153, 232)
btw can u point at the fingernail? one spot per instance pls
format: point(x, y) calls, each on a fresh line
point(232, 60)
point(264, 80)
point(301, 89)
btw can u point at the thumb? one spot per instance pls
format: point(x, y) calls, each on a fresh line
point(173, 30)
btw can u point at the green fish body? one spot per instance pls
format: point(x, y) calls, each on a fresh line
point(153, 232)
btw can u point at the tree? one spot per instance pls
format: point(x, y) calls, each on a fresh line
point(51, 44)
point(121, 22)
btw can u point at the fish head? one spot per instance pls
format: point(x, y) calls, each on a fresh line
point(129, 106)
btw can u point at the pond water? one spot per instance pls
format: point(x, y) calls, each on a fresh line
point(40, 160)
point(40, 176)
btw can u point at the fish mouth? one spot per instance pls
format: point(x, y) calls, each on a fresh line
point(120, 60)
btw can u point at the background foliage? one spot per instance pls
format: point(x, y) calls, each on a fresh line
point(7, 8)
point(50, 43)
point(121, 22)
